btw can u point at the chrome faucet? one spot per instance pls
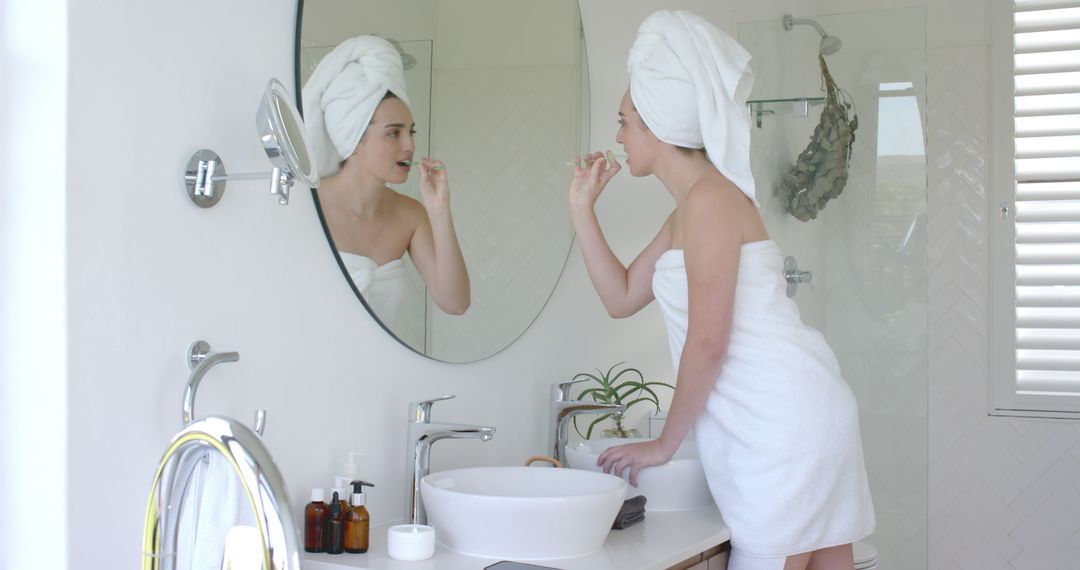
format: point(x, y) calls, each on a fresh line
point(562, 408)
point(422, 434)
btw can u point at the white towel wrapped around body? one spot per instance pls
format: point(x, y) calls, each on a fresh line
point(689, 81)
point(779, 436)
point(343, 92)
point(383, 286)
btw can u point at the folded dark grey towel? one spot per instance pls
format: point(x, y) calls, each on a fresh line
point(631, 513)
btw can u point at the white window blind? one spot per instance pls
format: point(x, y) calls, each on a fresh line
point(1046, 123)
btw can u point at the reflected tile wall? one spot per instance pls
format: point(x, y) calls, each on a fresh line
point(503, 125)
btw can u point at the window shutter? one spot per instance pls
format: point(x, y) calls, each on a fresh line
point(1047, 200)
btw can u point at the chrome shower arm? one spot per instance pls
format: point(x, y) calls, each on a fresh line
point(790, 21)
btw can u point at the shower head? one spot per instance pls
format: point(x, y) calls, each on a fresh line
point(829, 44)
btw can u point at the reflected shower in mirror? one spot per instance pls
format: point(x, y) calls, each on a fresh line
point(454, 255)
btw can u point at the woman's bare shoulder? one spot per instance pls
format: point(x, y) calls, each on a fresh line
point(717, 195)
point(407, 208)
point(716, 206)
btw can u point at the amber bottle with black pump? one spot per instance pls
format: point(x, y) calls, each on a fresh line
point(357, 520)
point(335, 529)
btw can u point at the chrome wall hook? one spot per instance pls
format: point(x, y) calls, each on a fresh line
point(793, 276)
point(201, 358)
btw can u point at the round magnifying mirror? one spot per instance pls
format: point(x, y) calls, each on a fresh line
point(283, 135)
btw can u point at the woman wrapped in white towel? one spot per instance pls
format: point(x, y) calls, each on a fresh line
point(358, 118)
point(775, 424)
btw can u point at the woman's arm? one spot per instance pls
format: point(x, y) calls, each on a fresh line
point(711, 250)
point(623, 291)
point(434, 246)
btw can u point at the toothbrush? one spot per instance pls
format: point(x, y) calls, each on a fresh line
point(608, 157)
point(417, 163)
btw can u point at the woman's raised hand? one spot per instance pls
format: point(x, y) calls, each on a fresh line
point(434, 188)
point(591, 174)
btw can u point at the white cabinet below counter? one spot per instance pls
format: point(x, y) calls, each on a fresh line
point(662, 541)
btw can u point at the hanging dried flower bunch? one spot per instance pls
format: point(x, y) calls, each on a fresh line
point(821, 170)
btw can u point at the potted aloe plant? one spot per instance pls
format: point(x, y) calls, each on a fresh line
point(627, 387)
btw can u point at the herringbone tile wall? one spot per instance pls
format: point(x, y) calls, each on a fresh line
point(1004, 493)
point(513, 129)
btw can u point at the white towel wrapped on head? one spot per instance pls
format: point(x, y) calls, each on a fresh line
point(689, 82)
point(343, 92)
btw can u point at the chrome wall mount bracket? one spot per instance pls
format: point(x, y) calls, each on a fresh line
point(282, 135)
point(205, 178)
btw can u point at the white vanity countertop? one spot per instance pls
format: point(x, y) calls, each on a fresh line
point(660, 541)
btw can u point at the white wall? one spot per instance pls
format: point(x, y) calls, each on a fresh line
point(33, 353)
point(148, 273)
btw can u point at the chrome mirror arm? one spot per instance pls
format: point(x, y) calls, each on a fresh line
point(285, 141)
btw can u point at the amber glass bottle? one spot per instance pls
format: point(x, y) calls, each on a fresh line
point(315, 516)
point(357, 525)
point(335, 529)
point(342, 494)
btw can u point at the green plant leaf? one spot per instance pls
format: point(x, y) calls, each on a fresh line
point(639, 387)
point(639, 400)
point(588, 433)
point(608, 375)
point(625, 370)
point(587, 375)
point(578, 429)
point(597, 395)
point(610, 390)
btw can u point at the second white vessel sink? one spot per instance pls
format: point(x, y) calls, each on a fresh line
point(522, 513)
point(678, 485)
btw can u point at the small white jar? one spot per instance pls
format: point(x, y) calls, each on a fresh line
point(410, 542)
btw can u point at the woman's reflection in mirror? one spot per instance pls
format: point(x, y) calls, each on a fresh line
point(360, 122)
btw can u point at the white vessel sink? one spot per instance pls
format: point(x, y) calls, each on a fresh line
point(678, 485)
point(522, 513)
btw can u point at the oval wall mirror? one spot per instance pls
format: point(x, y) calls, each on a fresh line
point(498, 93)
